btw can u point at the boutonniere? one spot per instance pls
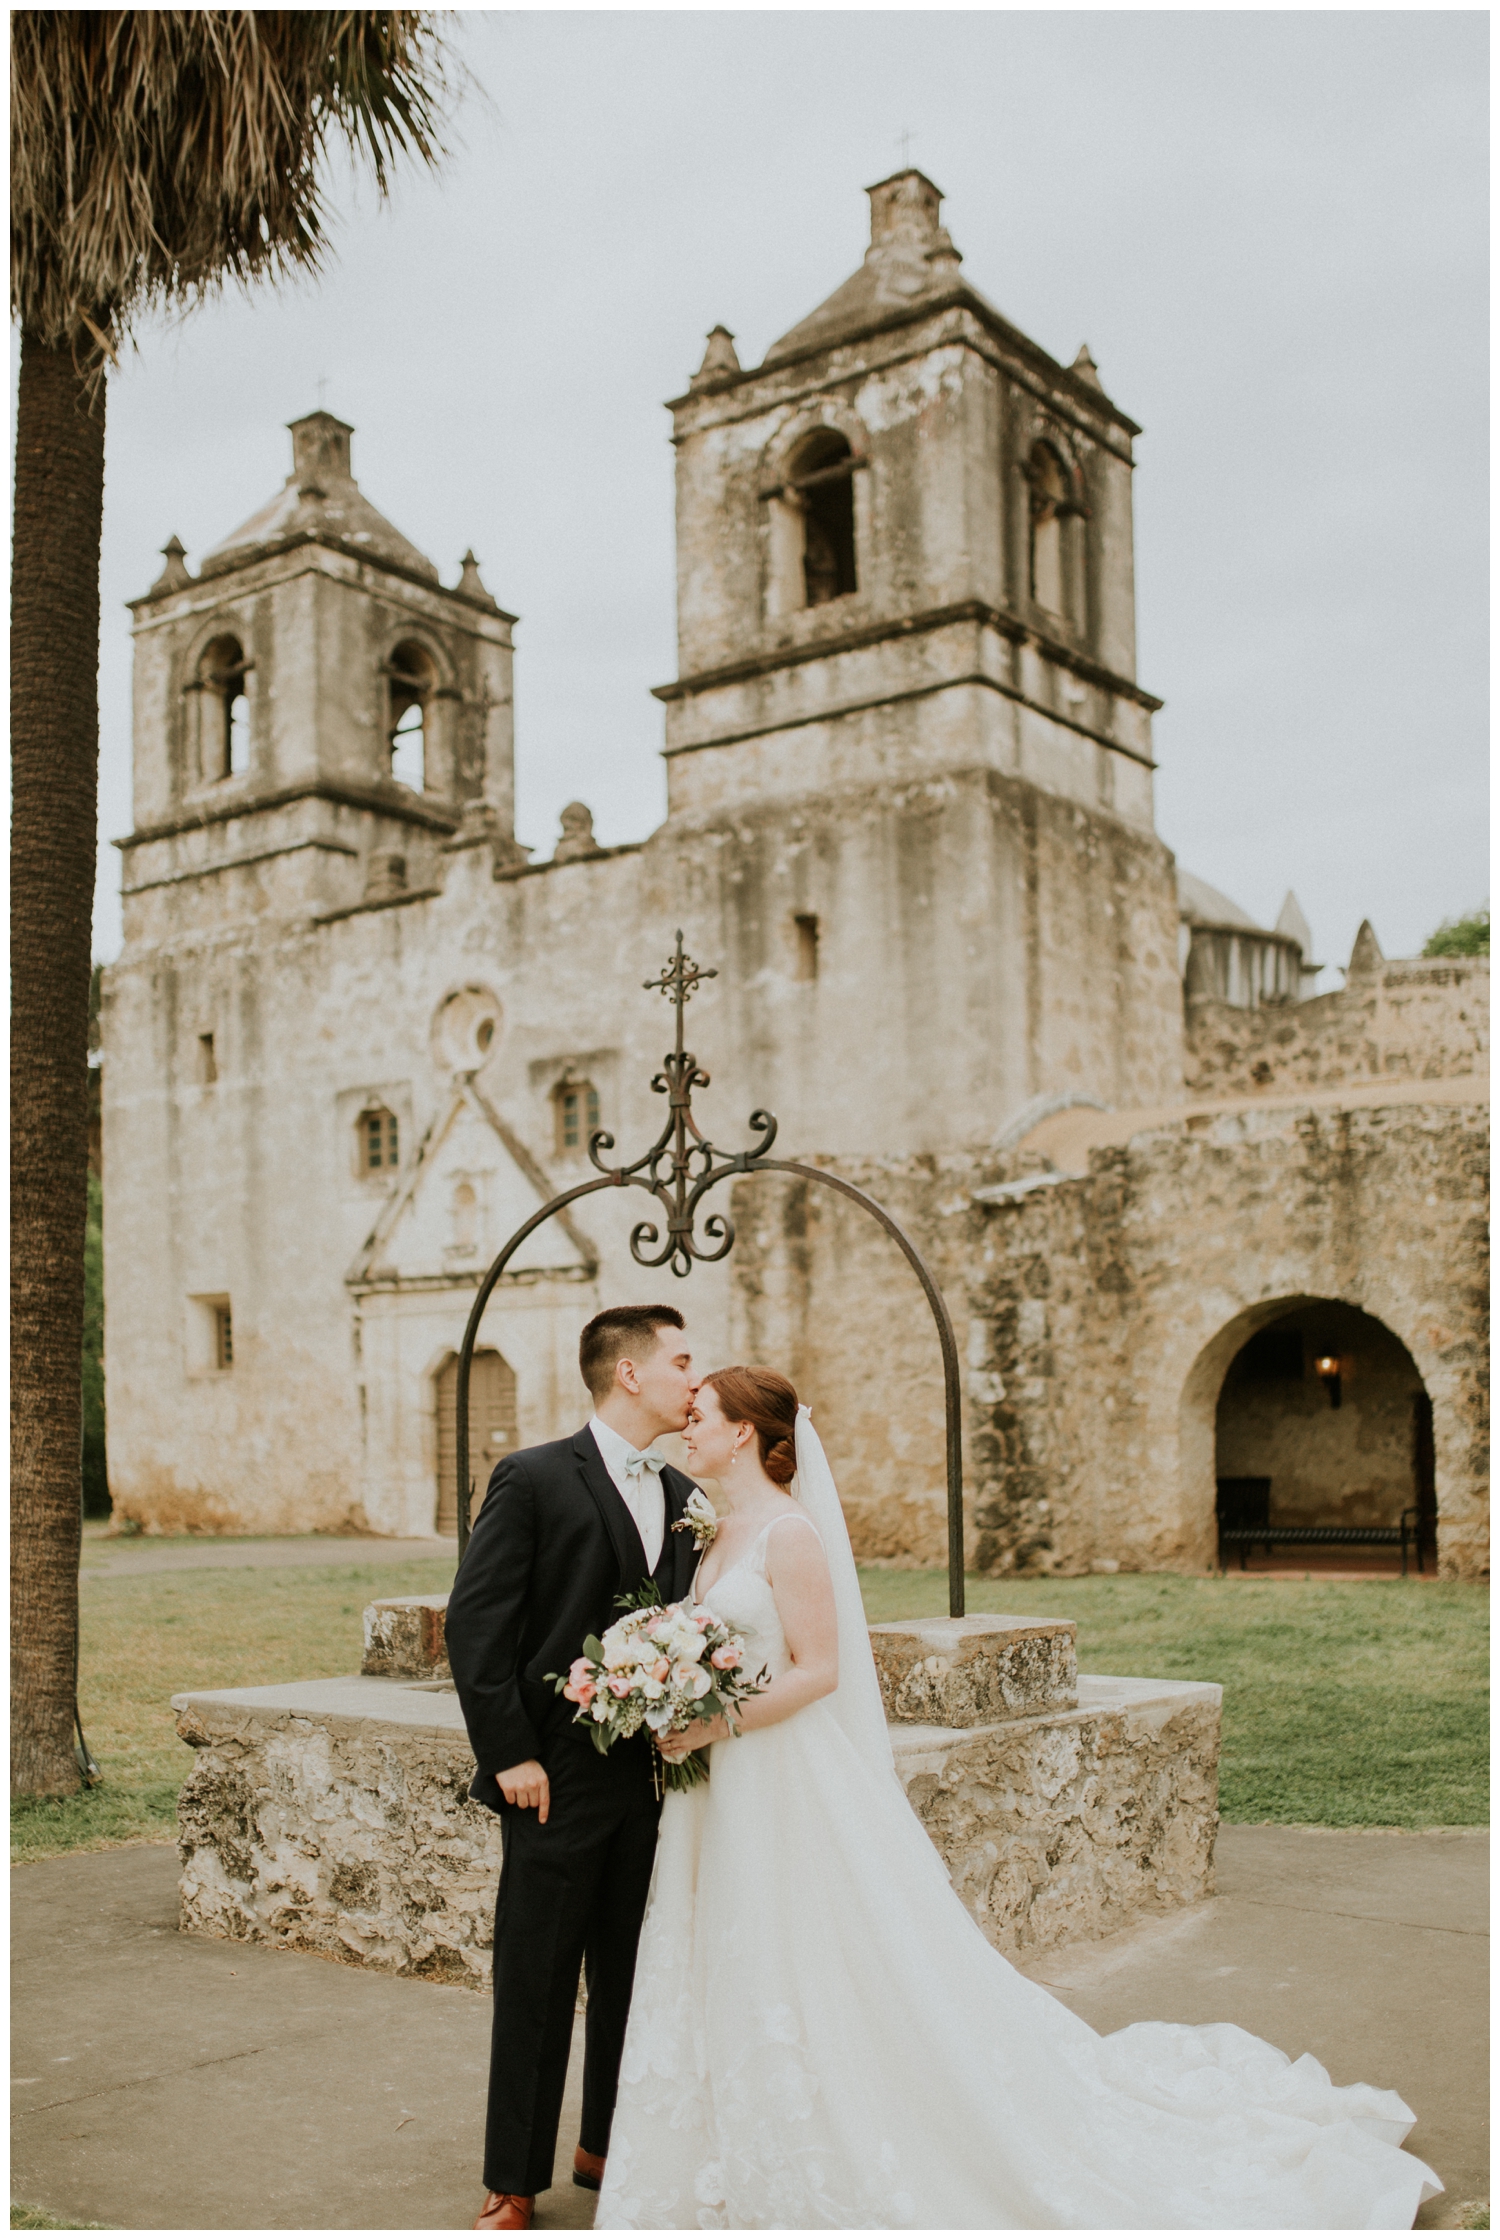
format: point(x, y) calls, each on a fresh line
point(698, 1518)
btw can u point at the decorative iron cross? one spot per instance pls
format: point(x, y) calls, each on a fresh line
point(680, 976)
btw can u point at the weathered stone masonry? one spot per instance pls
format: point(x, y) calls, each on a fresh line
point(1101, 1311)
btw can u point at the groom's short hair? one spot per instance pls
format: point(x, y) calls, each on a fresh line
point(616, 1332)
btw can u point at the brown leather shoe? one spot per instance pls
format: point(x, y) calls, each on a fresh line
point(506, 2212)
point(588, 2170)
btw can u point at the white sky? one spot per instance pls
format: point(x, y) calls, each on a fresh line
point(1270, 228)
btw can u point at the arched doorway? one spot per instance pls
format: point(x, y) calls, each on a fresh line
point(1323, 1420)
point(492, 1426)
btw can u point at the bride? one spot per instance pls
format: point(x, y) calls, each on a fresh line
point(821, 2036)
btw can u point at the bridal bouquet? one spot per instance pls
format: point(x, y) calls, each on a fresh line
point(660, 1666)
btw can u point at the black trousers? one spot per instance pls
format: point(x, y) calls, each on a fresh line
point(572, 1895)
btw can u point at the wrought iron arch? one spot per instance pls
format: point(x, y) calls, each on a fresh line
point(679, 1170)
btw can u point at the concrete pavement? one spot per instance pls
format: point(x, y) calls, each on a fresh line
point(166, 2082)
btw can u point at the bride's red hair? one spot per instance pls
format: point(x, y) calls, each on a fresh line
point(767, 1400)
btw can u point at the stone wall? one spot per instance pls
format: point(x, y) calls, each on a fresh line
point(1099, 1313)
point(1419, 1019)
point(1074, 1824)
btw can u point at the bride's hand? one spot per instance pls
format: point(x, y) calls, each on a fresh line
point(675, 1747)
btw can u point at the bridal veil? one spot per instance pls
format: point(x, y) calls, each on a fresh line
point(856, 1702)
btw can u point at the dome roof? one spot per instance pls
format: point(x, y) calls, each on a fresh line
point(320, 500)
point(1203, 905)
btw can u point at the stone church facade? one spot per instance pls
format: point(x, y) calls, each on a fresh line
point(356, 1037)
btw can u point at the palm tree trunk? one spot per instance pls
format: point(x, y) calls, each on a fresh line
point(55, 750)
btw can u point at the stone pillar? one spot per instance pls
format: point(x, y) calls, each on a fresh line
point(406, 1638)
point(961, 1672)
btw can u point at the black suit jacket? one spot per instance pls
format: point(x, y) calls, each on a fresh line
point(551, 1548)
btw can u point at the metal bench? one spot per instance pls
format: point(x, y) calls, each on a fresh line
point(1405, 1536)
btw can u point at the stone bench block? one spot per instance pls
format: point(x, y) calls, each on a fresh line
point(1074, 1823)
point(406, 1638)
point(966, 1672)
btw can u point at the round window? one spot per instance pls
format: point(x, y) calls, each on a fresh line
point(466, 1029)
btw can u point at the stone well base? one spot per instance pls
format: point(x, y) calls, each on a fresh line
point(1073, 1823)
point(332, 1816)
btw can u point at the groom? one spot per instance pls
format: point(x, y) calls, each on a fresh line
point(564, 1529)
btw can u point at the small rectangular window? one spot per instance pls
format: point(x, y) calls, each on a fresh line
point(807, 947)
point(577, 1115)
point(380, 1141)
point(208, 1070)
point(223, 1337)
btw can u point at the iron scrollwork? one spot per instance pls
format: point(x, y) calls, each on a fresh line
point(679, 1170)
point(682, 1166)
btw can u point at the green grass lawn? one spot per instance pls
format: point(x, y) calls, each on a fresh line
point(1349, 1704)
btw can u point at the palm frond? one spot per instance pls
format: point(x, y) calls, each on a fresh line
point(158, 154)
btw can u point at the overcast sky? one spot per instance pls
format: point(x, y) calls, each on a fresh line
point(1270, 228)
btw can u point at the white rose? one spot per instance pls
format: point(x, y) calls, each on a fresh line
point(692, 1680)
point(651, 1690)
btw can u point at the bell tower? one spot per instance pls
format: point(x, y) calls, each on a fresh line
point(316, 716)
point(907, 695)
point(910, 521)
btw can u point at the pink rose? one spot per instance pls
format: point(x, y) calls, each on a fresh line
point(725, 1659)
point(660, 1669)
point(619, 1685)
point(580, 1692)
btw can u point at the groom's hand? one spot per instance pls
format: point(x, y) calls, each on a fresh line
point(527, 1785)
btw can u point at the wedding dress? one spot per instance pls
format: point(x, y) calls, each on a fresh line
point(821, 2036)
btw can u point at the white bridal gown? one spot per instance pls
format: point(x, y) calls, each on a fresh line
point(822, 2037)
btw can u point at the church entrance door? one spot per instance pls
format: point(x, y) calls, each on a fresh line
point(492, 1417)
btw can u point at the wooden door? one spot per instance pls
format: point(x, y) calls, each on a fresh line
point(492, 1428)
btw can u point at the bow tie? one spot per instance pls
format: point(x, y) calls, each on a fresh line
point(636, 1463)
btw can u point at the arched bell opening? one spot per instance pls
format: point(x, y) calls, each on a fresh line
point(1322, 1443)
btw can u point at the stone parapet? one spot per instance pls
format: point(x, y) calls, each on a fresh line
point(333, 1816)
point(1074, 1823)
point(966, 1672)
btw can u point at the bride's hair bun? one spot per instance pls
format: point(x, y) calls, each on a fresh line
point(768, 1400)
point(780, 1459)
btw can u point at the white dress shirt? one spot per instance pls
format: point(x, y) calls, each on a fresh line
point(640, 1491)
